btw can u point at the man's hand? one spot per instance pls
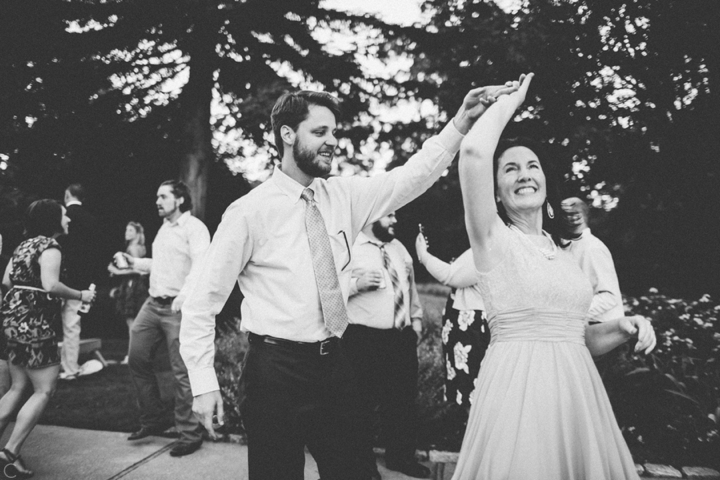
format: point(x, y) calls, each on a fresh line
point(640, 327)
point(205, 407)
point(129, 259)
point(368, 279)
point(177, 304)
point(477, 101)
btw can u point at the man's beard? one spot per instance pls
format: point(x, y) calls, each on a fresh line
point(382, 233)
point(305, 160)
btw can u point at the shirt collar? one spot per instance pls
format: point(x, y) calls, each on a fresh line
point(73, 202)
point(290, 187)
point(363, 238)
point(182, 219)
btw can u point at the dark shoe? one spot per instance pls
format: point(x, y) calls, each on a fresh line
point(146, 432)
point(182, 449)
point(411, 468)
point(13, 465)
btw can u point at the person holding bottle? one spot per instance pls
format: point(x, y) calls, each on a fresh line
point(465, 332)
point(32, 326)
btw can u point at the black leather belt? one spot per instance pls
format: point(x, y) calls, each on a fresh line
point(163, 300)
point(315, 348)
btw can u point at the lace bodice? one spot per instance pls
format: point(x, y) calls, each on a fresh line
point(526, 280)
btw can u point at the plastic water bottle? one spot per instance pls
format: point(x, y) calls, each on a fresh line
point(85, 307)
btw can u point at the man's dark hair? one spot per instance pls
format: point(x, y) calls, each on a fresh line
point(43, 217)
point(293, 107)
point(180, 190)
point(77, 191)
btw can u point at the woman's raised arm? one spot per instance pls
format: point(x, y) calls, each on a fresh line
point(476, 177)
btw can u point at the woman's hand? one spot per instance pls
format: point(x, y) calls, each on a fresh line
point(421, 248)
point(640, 327)
point(113, 270)
point(477, 101)
point(88, 296)
point(518, 95)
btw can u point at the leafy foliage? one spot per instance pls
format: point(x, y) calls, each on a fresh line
point(667, 403)
point(625, 99)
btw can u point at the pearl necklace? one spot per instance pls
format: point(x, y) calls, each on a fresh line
point(549, 254)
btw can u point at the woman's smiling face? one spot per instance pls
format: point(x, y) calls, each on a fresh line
point(520, 180)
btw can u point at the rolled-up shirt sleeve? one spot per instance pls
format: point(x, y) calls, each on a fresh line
point(599, 266)
point(226, 257)
point(142, 265)
point(459, 274)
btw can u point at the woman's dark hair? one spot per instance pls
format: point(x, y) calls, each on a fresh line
point(43, 217)
point(294, 107)
point(180, 190)
point(552, 185)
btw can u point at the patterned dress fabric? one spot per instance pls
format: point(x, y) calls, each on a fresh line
point(465, 337)
point(132, 292)
point(32, 321)
point(540, 409)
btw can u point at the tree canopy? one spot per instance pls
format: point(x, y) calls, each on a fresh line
point(625, 100)
point(121, 94)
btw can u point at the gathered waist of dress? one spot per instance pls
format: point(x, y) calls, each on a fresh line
point(537, 325)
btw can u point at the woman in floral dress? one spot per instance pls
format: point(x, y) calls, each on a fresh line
point(133, 290)
point(31, 313)
point(465, 333)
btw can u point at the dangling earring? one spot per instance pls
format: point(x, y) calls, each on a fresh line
point(550, 211)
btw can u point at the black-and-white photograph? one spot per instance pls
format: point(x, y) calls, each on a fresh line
point(359, 239)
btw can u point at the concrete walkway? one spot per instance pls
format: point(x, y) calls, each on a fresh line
point(61, 453)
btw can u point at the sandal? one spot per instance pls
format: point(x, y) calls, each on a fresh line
point(13, 465)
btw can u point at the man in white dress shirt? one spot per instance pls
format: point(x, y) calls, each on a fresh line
point(288, 245)
point(176, 251)
point(594, 259)
point(386, 319)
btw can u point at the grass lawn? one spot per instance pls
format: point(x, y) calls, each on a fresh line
point(106, 400)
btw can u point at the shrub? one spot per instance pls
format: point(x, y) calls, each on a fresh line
point(230, 348)
point(667, 402)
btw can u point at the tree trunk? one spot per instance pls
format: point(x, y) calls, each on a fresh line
point(196, 141)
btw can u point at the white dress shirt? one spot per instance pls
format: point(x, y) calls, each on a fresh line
point(596, 262)
point(178, 247)
point(460, 274)
point(376, 308)
point(262, 244)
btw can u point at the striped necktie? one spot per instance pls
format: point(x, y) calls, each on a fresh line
point(331, 301)
point(399, 297)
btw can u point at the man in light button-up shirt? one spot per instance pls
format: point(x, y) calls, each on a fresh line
point(595, 260)
point(177, 249)
point(296, 392)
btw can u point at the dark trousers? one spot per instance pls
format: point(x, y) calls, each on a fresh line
point(387, 367)
point(291, 399)
point(154, 324)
